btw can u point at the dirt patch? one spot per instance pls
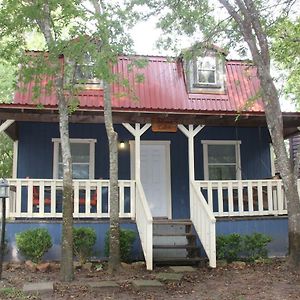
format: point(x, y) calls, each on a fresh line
point(254, 281)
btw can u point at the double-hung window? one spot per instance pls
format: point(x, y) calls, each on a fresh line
point(83, 158)
point(206, 70)
point(221, 160)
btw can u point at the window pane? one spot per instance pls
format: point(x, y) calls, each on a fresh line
point(221, 154)
point(80, 171)
point(222, 172)
point(206, 76)
point(80, 153)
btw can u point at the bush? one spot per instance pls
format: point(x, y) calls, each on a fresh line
point(84, 239)
point(229, 247)
point(34, 243)
point(233, 247)
point(255, 246)
point(127, 238)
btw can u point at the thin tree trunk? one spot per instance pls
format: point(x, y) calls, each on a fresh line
point(66, 265)
point(114, 239)
point(249, 23)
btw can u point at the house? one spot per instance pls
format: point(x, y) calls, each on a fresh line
point(194, 159)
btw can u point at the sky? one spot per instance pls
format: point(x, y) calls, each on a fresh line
point(145, 35)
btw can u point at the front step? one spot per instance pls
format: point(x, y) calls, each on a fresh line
point(174, 242)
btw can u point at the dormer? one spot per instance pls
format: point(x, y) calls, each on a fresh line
point(83, 73)
point(205, 72)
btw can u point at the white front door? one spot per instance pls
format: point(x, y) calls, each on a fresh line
point(156, 176)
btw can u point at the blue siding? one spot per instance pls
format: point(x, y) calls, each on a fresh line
point(54, 229)
point(276, 228)
point(36, 153)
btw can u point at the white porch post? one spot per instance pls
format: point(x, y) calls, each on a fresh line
point(190, 133)
point(137, 132)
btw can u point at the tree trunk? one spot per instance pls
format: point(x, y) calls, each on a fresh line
point(66, 263)
point(289, 178)
point(249, 23)
point(114, 238)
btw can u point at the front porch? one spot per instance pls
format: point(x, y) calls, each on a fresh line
point(40, 199)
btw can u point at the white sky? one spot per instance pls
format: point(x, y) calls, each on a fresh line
point(145, 35)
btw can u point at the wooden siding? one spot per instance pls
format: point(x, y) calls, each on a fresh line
point(36, 154)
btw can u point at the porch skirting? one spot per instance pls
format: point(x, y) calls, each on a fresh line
point(276, 227)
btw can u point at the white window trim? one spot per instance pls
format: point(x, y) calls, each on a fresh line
point(237, 144)
point(91, 142)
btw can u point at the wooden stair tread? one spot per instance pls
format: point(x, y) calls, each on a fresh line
point(186, 246)
point(172, 222)
point(178, 259)
point(174, 234)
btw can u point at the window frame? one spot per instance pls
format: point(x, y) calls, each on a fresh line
point(90, 142)
point(236, 143)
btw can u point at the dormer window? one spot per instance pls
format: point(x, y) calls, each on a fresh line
point(83, 74)
point(205, 74)
point(206, 70)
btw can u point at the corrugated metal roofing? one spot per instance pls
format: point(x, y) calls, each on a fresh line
point(163, 89)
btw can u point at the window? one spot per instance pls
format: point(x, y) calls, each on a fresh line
point(83, 73)
point(83, 157)
point(221, 160)
point(206, 74)
point(206, 70)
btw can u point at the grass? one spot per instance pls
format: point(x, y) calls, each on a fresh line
point(12, 293)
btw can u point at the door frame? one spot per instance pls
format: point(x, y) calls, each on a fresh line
point(166, 145)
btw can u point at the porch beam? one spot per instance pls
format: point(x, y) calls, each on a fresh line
point(5, 125)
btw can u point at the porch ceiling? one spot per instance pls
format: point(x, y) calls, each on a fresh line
point(291, 120)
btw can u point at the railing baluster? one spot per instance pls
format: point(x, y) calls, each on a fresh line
point(41, 198)
point(230, 198)
point(18, 198)
point(260, 197)
point(53, 198)
point(121, 197)
point(76, 199)
point(240, 198)
point(87, 198)
point(250, 197)
point(29, 198)
point(210, 196)
point(132, 199)
point(99, 198)
point(280, 197)
point(270, 194)
point(220, 198)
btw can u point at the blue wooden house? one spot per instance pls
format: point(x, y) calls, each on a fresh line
point(195, 159)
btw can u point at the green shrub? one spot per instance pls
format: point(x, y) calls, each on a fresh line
point(84, 239)
point(229, 247)
point(233, 247)
point(127, 238)
point(34, 243)
point(255, 246)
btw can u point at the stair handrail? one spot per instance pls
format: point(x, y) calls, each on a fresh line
point(204, 222)
point(144, 222)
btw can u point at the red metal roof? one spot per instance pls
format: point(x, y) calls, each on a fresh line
point(163, 89)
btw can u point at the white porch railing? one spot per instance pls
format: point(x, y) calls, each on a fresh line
point(244, 197)
point(42, 198)
point(144, 222)
point(204, 223)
